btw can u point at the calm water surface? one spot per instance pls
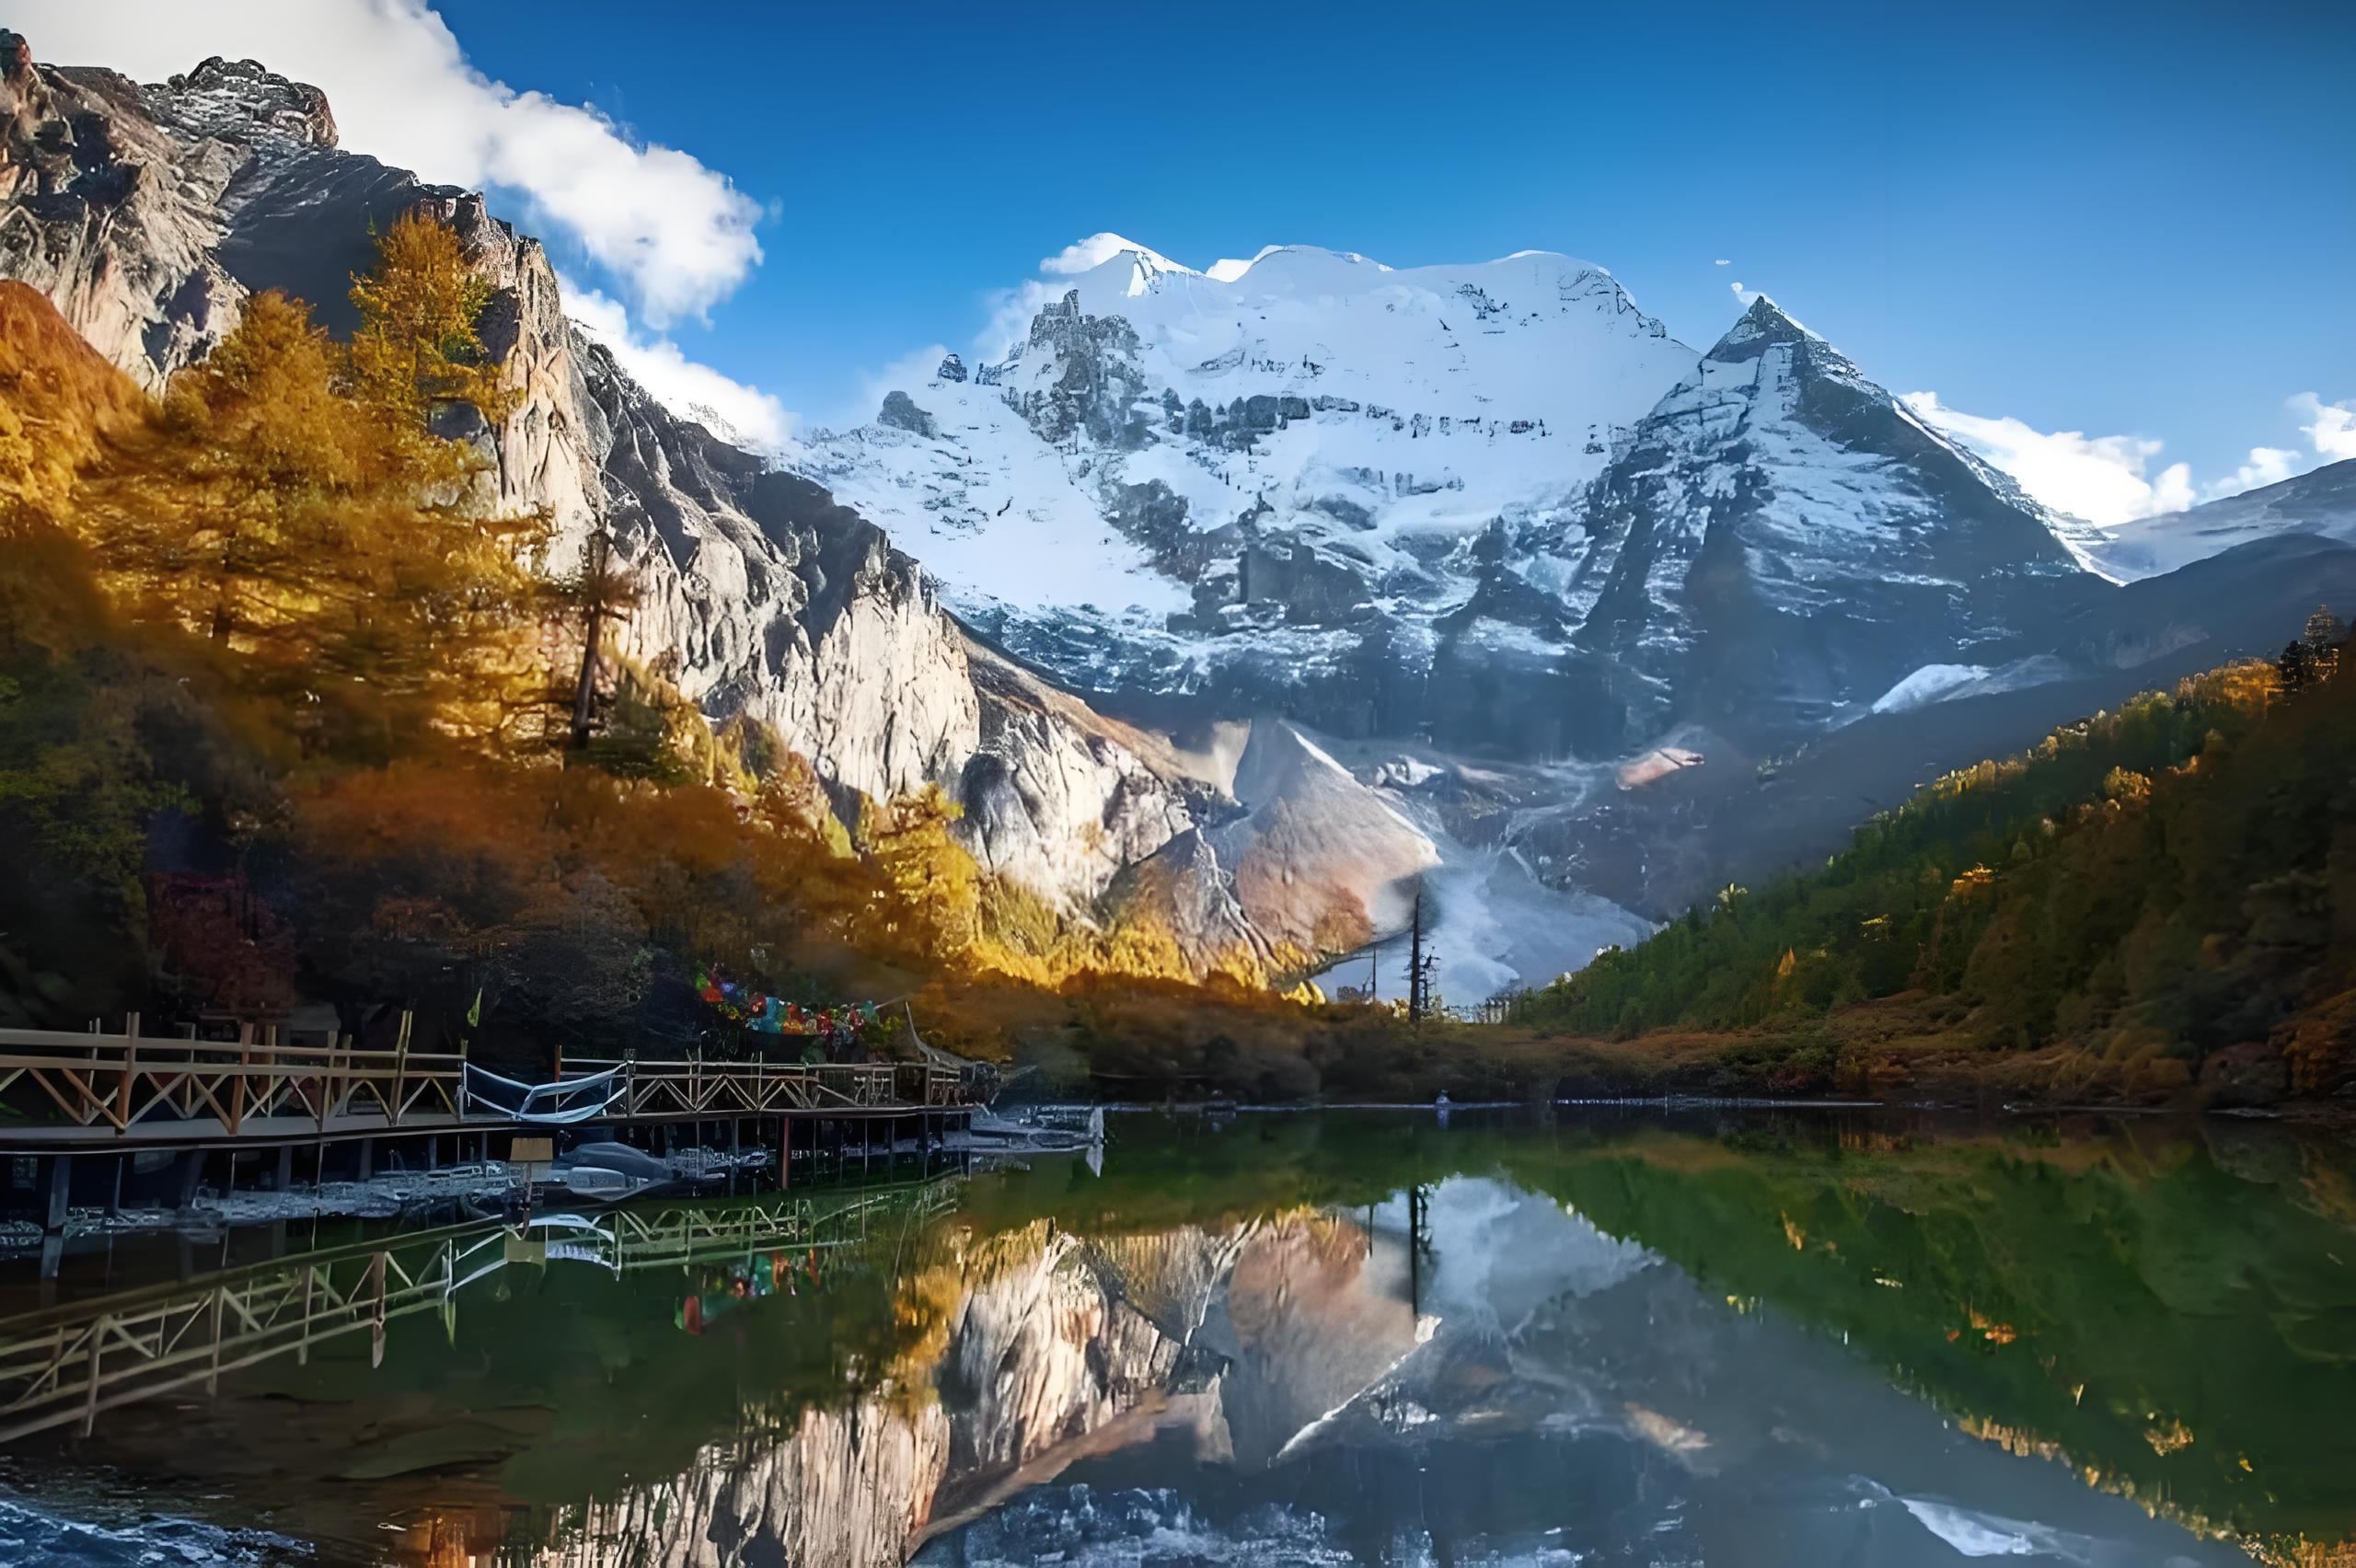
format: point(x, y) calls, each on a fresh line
point(1752, 1339)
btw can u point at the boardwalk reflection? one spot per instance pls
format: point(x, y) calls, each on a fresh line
point(69, 1365)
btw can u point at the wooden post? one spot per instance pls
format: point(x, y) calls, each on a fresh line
point(61, 1184)
point(237, 1085)
point(97, 1353)
point(785, 1153)
point(129, 1065)
point(303, 1345)
point(400, 1067)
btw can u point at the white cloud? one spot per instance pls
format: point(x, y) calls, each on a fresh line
point(2331, 426)
point(2101, 479)
point(1748, 296)
point(2107, 479)
point(2266, 465)
point(678, 235)
point(1010, 311)
point(731, 409)
point(1722, 261)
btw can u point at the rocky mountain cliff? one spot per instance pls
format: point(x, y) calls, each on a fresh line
point(1780, 542)
point(148, 214)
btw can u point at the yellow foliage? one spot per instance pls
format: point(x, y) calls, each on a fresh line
point(313, 540)
point(417, 343)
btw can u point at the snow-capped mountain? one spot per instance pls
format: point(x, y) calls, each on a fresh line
point(1274, 480)
point(1495, 506)
point(2320, 501)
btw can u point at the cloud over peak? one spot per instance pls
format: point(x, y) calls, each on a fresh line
point(677, 236)
point(2105, 479)
point(2101, 479)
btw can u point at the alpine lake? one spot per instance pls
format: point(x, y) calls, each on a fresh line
point(1570, 1335)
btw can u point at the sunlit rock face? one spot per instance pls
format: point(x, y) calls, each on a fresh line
point(148, 214)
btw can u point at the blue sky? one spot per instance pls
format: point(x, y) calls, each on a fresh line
point(2133, 222)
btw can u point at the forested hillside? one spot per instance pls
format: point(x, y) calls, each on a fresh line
point(291, 714)
point(2173, 880)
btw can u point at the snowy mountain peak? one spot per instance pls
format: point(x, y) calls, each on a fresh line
point(1779, 540)
point(1765, 322)
point(1273, 478)
point(1107, 261)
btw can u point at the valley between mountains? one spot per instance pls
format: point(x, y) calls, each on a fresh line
point(1214, 631)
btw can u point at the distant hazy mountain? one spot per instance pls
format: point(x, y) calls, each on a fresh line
point(2320, 501)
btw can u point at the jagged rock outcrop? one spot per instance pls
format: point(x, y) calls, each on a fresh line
point(148, 214)
point(1320, 861)
point(1183, 890)
point(113, 215)
point(900, 412)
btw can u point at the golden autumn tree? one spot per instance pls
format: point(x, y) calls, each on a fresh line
point(419, 344)
point(297, 513)
point(934, 907)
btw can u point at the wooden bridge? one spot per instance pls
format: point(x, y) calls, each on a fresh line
point(65, 1366)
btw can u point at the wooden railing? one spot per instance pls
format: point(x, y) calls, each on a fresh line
point(695, 1088)
point(63, 1366)
point(122, 1079)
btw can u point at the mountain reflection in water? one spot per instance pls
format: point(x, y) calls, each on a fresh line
point(1750, 1339)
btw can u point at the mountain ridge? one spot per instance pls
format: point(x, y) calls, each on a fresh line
point(146, 215)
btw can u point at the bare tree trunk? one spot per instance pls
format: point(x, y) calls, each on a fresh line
point(584, 691)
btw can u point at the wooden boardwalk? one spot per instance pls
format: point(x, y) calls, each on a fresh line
point(120, 1092)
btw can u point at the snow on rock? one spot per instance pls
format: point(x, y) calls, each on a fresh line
point(1780, 539)
point(1269, 477)
point(1928, 684)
